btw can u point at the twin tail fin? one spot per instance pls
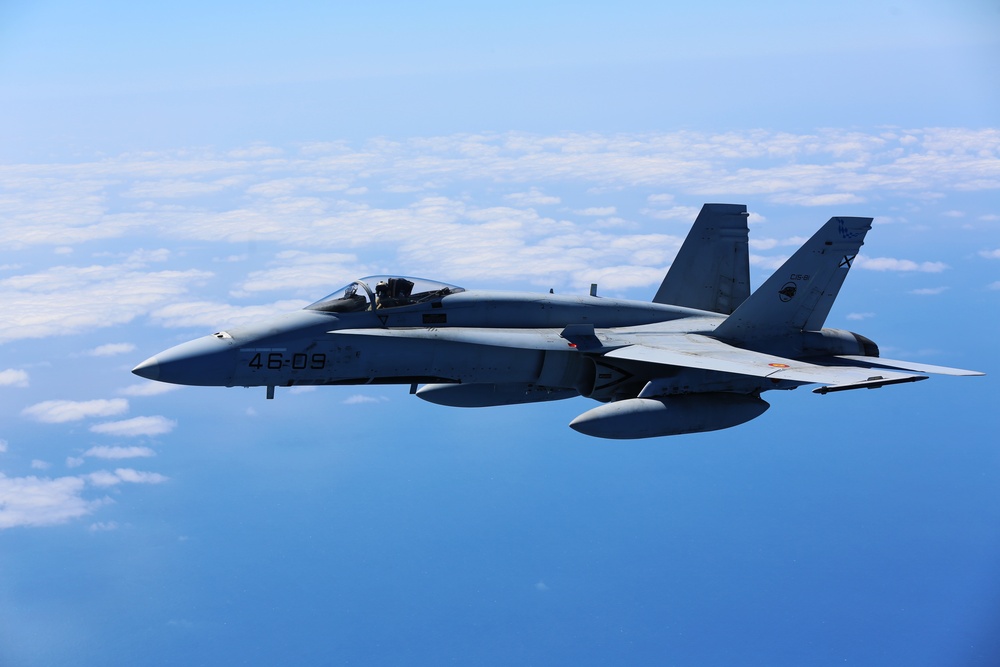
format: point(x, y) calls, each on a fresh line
point(799, 295)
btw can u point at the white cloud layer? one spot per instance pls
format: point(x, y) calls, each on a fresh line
point(466, 208)
point(136, 427)
point(218, 315)
point(40, 501)
point(111, 349)
point(892, 264)
point(57, 412)
point(13, 377)
point(105, 478)
point(140, 477)
point(148, 389)
point(109, 452)
point(360, 399)
point(68, 300)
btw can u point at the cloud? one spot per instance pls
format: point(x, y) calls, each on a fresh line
point(176, 189)
point(359, 399)
point(103, 526)
point(149, 389)
point(597, 211)
point(460, 207)
point(38, 464)
point(297, 271)
point(139, 258)
point(3, 446)
point(285, 187)
point(990, 254)
point(36, 501)
point(107, 452)
point(929, 291)
point(106, 478)
point(64, 205)
point(860, 316)
point(13, 378)
point(111, 349)
point(830, 199)
point(767, 263)
point(38, 306)
point(891, 264)
point(102, 478)
point(217, 315)
point(618, 278)
point(534, 197)
point(139, 477)
point(135, 427)
point(678, 213)
point(769, 244)
point(57, 412)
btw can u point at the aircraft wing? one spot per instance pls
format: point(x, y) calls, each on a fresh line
point(882, 362)
point(697, 351)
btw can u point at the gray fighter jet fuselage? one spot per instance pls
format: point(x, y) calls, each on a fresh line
point(695, 359)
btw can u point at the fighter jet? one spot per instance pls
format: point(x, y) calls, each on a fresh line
point(697, 358)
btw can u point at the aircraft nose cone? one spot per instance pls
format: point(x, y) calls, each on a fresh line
point(149, 369)
point(207, 361)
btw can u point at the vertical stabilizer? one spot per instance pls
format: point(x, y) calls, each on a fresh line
point(712, 268)
point(799, 295)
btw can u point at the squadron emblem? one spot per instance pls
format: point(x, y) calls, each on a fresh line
point(787, 291)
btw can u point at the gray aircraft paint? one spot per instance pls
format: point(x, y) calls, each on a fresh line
point(697, 364)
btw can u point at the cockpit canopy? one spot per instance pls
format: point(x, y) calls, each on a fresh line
point(383, 292)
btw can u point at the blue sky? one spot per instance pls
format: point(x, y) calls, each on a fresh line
point(167, 172)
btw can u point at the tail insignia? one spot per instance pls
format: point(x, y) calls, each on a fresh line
point(847, 233)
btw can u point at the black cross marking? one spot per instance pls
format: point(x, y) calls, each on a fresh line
point(846, 262)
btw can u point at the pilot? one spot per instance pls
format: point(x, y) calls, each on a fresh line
point(381, 292)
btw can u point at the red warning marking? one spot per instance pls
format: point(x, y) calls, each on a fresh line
point(779, 365)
